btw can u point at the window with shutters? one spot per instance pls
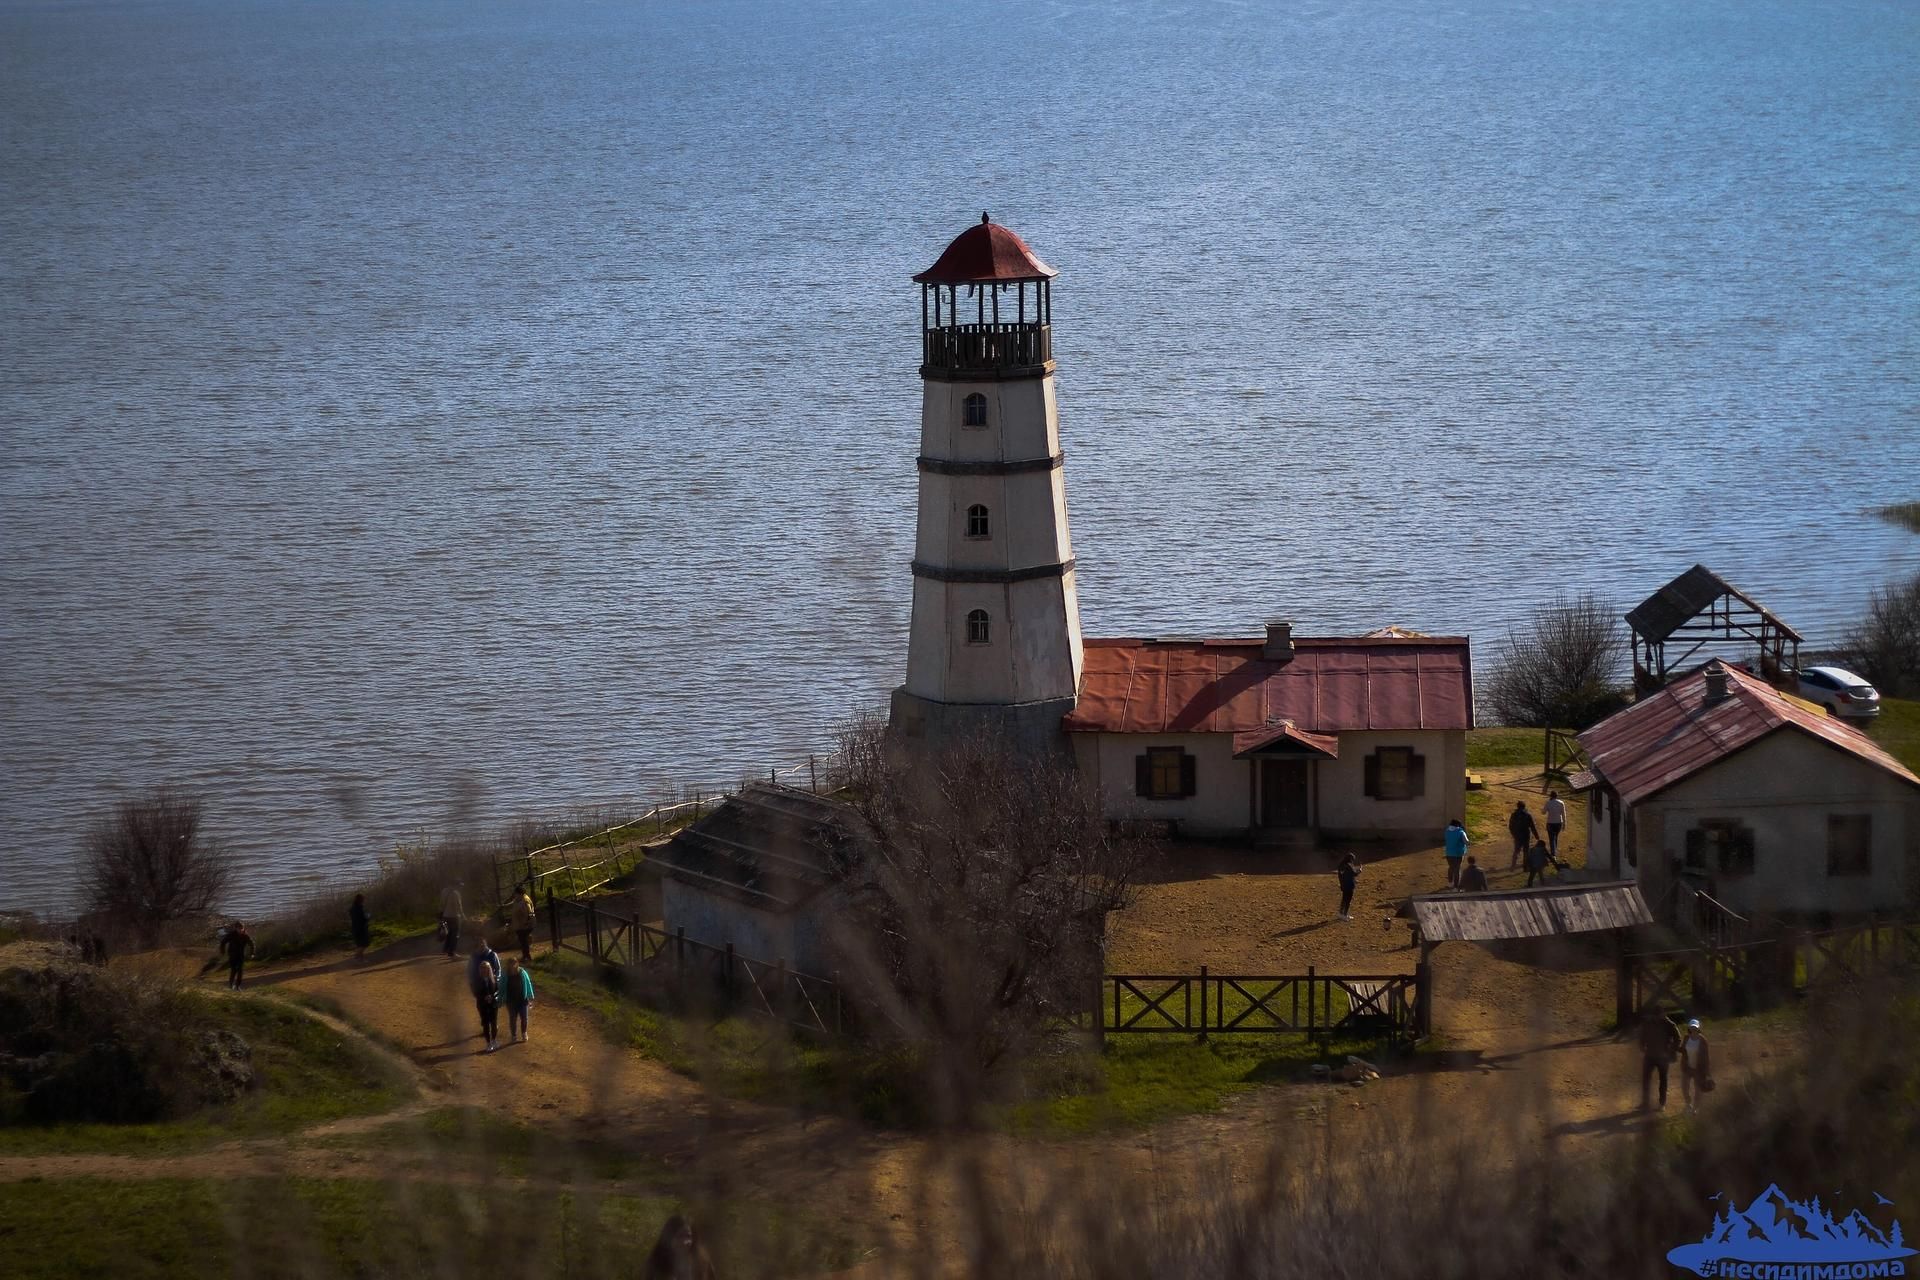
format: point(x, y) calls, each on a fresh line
point(1394, 773)
point(973, 411)
point(1849, 844)
point(1721, 845)
point(978, 522)
point(1165, 773)
point(979, 627)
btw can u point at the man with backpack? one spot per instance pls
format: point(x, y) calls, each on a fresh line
point(483, 977)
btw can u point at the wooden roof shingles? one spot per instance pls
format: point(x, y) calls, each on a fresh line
point(1530, 913)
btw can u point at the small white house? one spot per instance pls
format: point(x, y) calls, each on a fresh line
point(758, 874)
point(1282, 739)
point(1721, 784)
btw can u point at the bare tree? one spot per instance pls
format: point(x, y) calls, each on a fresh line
point(1562, 668)
point(980, 878)
point(148, 863)
point(1884, 646)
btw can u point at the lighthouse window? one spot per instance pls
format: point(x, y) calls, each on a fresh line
point(977, 526)
point(973, 411)
point(979, 627)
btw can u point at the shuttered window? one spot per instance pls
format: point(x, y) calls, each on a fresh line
point(1721, 845)
point(1394, 773)
point(1165, 773)
point(1849, 844)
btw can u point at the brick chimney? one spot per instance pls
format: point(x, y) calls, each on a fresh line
point(1716, 672)
point(1279, 646)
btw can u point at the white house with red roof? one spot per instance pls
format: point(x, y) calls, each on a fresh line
point(1720, 783)
point(1282, 737)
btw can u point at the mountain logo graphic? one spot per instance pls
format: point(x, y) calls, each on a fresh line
point(1777, 1235)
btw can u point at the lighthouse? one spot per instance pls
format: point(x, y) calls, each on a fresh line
point(995, 641)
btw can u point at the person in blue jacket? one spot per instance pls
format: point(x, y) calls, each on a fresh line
point(1456, 849)
point(516, 992)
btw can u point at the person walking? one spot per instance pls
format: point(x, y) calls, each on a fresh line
point(1556, 822)
point(521, 913)
point(1537, 860)
point(237, 944)
point(450, 913)
point(483, 977)
point(360, 925)
point(1474, 878)
point(1456, 843)
point(1696, 1073)
point(516, 992)
point(1521, 825)
point(1349, 873)
point(1658, 1044)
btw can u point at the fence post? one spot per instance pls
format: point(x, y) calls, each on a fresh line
point(1311, 993)
point(680, 951)
point(813, 777)
point(773, 775)
point(1622, 987)
point(1100, 1012)
point(696, 805)
point(726, 975)
point(1203, 1002)
point(553, 919)
point(780, 986)
point(1423, 995)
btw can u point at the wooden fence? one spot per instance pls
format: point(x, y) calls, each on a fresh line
point(695, 970)
point(1395, 1007)
point(1739, 977)
point(577, 866)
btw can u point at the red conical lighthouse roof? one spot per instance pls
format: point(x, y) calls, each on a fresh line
point(985, 254)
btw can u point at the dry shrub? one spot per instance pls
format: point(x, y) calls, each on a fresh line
point(1884, 646)
point(1562, 668)
point(979, 880)
point(149, 864)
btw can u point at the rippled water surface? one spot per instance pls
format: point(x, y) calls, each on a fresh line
point(421, 412)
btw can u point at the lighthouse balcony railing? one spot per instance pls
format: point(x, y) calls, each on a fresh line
point(989, 348)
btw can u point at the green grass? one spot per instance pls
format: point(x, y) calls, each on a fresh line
point(480, 1138)
point(165, 1229)
point(382, 932)
point(1140, 1079)
point(1503, 748)
point(1897, 728)
point(740, 1057)
point(1143, 1079)
point(1906, 514)
point(306, 1074)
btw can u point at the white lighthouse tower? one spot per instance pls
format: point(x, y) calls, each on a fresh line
point(996, 622)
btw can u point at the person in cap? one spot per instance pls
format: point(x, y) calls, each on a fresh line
point(1696, 1073)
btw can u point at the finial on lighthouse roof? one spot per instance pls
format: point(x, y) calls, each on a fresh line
point(986, 254)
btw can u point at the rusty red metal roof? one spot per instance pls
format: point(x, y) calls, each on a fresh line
point(1673, 734)
point(986, 253)
point(1227, 686)
point(1285, 738)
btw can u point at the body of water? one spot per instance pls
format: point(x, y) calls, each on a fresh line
point(416, 413)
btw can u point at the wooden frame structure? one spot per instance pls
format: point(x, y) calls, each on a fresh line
point(1695, 608)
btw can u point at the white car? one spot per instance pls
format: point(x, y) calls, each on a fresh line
point(1840, 691)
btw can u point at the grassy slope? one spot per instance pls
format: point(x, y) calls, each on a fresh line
point(1498, 748)
point(168, 1228)
point(307, 1074)
point(1898, 730)
point(1139, 1080)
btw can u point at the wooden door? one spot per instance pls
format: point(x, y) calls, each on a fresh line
point(1284, 788)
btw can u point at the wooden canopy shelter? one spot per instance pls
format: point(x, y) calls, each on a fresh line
point(1696, 607)
point(1529, 913)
